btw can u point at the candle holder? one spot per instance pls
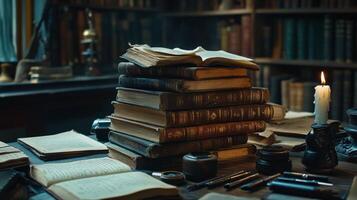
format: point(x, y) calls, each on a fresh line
point(347, 147)
point(320, 154)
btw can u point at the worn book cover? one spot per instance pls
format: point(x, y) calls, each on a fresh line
point(155, 150)
point(161, 100)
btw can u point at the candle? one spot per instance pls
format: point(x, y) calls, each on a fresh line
point(322, 101)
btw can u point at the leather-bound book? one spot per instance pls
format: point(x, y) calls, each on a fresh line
point(194, 117)
point(191, 73)
point(184, 101)
point(155, 150)
point(182, 85)
point(166, 135)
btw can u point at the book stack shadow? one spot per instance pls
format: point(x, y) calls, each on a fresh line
point(162, 113)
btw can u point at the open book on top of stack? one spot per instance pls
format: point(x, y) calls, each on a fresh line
point(146, 56)
point(167, 107)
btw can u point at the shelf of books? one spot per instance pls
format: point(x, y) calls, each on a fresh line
point(231, 12)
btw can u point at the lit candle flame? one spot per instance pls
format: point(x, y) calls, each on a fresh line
point(323, 81)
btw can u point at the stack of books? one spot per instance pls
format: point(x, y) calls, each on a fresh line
point(173, 102)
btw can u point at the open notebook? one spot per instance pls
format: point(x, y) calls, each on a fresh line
point(63, 145)
point(99, 178)
point(146, 56)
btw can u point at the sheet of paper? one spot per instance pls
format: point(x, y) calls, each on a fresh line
point(48, 174)
point(110, 186)
point(221, 54)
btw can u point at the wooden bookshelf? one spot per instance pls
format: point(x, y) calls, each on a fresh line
point(210, 13)
point(306, 63)
point(306, 11)
point(110, 8)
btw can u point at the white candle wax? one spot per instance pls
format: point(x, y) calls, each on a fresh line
point(322, 102)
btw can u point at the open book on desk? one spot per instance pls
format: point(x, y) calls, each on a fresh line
point(146, 56)
point(98, 178)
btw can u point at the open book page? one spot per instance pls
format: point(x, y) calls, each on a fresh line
point(48, 174)
point(69, 141)
point(205, 55)
point(129, 185)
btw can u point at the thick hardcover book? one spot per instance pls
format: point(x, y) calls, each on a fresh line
point(193, 117)
point(185, 101)
point(192, 73)
point(165, 135)
point(139, 162)
point(181, 85)
point(289, 39)
point(154, 150)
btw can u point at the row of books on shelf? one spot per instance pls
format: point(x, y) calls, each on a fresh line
point(114, 31)
point(207, 5)
point(113, 3)
point(232, 35)
point(305, 3)
point(298, 95)
point(310, 39)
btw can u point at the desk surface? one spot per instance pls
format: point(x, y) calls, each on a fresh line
point(342, 176)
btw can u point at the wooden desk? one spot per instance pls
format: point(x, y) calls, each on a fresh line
point(342, 176)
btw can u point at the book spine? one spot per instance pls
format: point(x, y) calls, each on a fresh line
point(246, 35)
point(328, 38)
point(340, 40)
point(211, 131)
point(219, 115)
point(349, 41)
point(172, 101)
point(301, 39)
point(130, 69)
point(155, 150)
point(289, 39)
point(133, 145)
point(196, 146)
point(336, 94)
point(151, 84)
point(355, 89)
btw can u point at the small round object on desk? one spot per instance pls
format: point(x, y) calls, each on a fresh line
point(199, 166)
point(272, 160)
point(173, 177)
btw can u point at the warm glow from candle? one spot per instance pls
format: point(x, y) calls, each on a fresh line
point(323, 81)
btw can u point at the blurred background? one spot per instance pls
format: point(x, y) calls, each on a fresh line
point(59, 58)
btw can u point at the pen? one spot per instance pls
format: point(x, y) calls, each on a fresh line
point(203, 183)
point(237, 183)
point(311, 182)
point(221, 181)
point(258, 183)
point(306, 176)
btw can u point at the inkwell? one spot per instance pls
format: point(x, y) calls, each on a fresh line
point(320, 154)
